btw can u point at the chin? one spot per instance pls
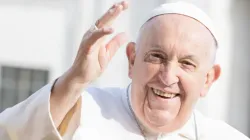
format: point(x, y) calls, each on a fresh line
point(160, 122)
point(161, 115)
point(164, 122)
point(158, 113)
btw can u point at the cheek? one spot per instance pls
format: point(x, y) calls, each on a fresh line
point(143, 72)
point(192, 86)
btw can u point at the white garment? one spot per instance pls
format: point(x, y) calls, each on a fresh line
point(104, 116)
point(186, 9)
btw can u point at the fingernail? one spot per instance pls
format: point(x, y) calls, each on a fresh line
point(112, 10)
point(125, 4)
point(120, 7)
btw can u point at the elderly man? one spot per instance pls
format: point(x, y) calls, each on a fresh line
point(171, 66)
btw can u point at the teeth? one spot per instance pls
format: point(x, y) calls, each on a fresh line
point(164, 94)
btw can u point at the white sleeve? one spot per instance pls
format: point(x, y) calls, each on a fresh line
point(30, 119)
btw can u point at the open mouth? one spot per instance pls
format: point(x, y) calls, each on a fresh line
point(163, 94)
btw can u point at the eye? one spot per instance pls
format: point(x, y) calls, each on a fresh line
point(157, 55)
point(155, 58)
point(188, 65)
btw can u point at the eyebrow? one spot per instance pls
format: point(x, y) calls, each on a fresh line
point(159, 48)
point(192, 57)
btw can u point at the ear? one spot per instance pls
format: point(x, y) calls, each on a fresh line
point(211, 77)
point(131, 57)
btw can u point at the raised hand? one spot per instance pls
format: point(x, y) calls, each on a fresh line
point(94, 54)
point(92, 58)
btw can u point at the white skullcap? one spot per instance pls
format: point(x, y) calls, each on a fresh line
point(186, 9)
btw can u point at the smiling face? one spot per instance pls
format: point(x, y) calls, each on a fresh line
point(170, 70)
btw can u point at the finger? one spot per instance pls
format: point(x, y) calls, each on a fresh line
point(124, 3)
point(97, 34)
point(108, 18)
point(93, 36)
point(115, 43)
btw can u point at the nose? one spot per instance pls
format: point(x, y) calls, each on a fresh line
point(168, 74)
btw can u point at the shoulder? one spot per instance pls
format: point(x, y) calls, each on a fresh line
point(105, 94)
point(105, 104)
point(106, 99)
point(217, 129)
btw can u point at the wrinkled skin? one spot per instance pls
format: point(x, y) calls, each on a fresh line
point(173, 54)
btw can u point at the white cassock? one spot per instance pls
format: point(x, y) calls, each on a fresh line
point(104, 114)
point(100, 114)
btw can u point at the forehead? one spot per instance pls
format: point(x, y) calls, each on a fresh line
point(176, 32)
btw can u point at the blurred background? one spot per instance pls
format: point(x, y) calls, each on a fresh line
point(39, 40)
